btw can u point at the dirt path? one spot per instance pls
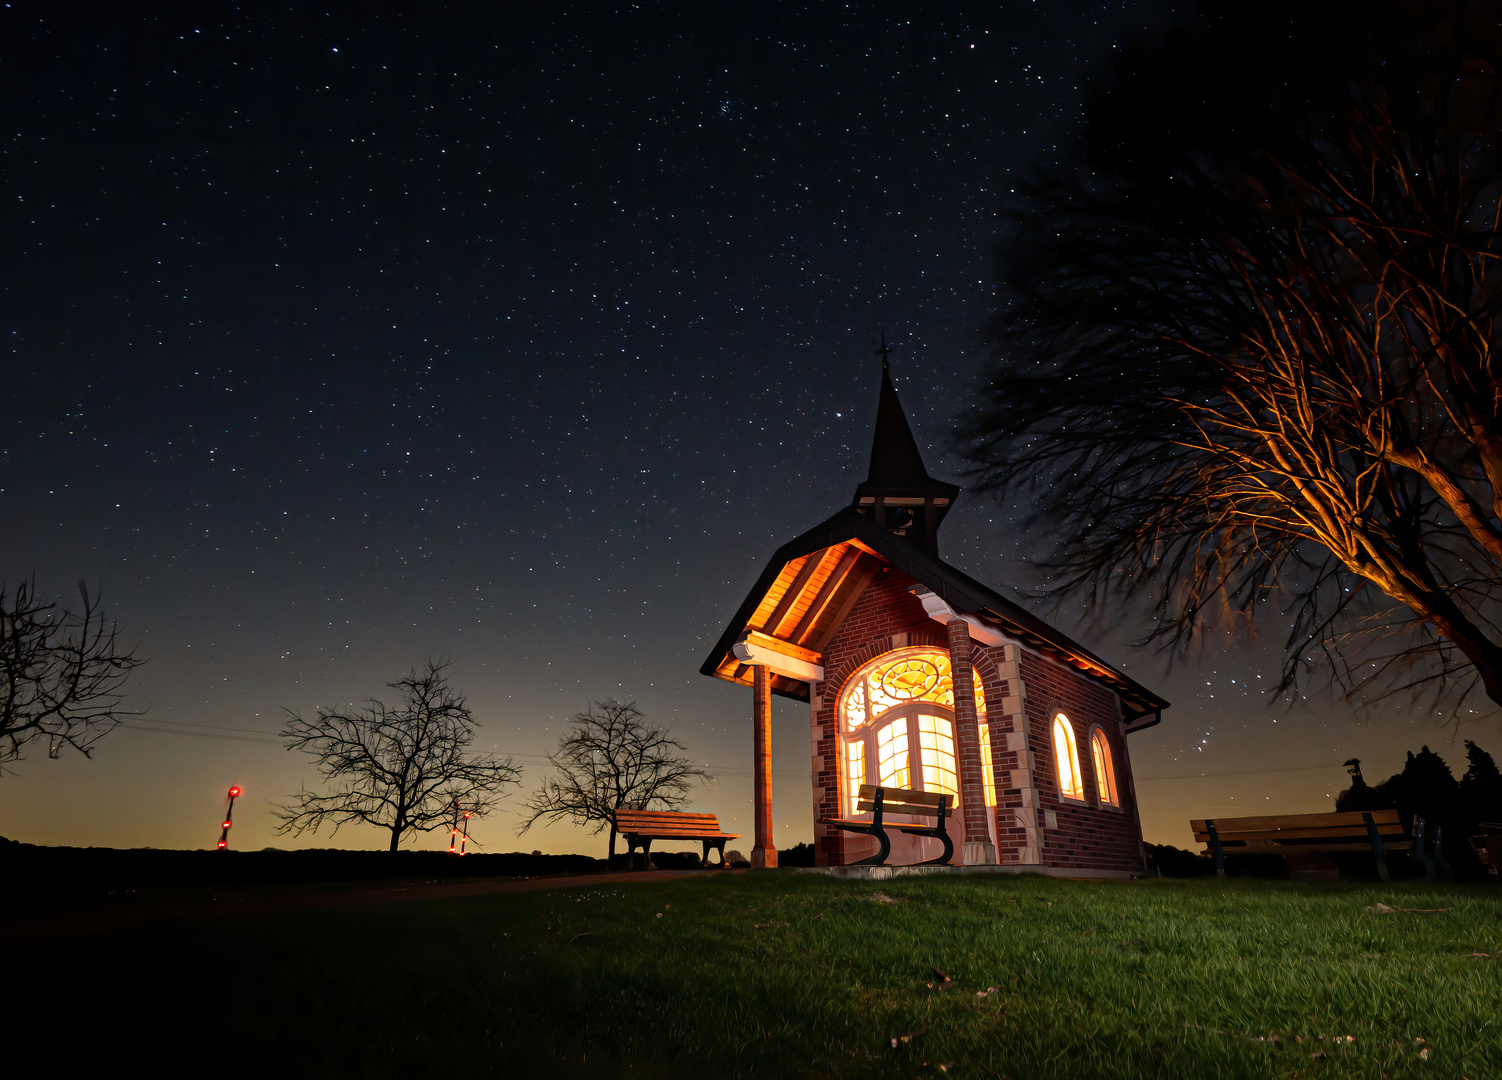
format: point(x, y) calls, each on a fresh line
point(116, 911)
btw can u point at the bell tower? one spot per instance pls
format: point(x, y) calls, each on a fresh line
point(898, 494)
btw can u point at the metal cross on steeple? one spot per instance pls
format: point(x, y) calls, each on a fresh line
point(884, 352)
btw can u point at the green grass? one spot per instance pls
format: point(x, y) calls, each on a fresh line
point(793, 975)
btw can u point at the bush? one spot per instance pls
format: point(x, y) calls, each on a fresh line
point(797, 855)
point(676, 860)
point(1178, 863)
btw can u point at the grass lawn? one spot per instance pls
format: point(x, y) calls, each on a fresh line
point(782, 974)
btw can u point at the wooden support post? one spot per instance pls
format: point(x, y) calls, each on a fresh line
point(764, 852)
point(979, 850)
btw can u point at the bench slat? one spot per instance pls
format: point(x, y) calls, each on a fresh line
point(670, 825)
point(910, 809)
point(1356, 833)
point(1301, 849)
point(1294, 821)
point(929, 798)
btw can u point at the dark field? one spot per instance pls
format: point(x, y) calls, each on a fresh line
point(782, 974)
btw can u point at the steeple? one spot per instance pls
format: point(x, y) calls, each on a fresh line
point(898, 492)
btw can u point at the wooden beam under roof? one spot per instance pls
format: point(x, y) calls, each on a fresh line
point(757, 639)
point(826, 593)
point(790, 594)
point(857, 580)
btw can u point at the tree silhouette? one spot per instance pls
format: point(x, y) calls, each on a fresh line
point(1245, 362)
point(62, 673)
point(1481, 785)
point(612, 758)
point(400, 768)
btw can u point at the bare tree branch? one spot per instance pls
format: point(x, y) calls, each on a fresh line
point(401, 768)
point(62, 673)
point(1258, 380)
point(612, 758)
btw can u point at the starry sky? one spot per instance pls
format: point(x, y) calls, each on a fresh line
point(522, 337)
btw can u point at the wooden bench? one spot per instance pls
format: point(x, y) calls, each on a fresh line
point(1299, 838)
point(879, 801)
point(1487, 845)
point(641, 827)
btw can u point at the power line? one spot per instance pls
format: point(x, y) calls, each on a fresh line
point(237, 734)
point(1247, 772)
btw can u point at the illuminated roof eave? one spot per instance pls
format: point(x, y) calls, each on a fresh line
point(956, 588)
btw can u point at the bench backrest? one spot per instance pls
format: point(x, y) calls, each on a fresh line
point(903, 801)
point(1299, 827)
point(634, 821)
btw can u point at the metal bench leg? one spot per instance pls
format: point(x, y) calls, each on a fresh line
point(880, 858)
point(644, 860)
point(713, 845)
point(1378, 851)
point(1418, 848)
point(1217, 850)
point(1439, 853)
point(940, 833)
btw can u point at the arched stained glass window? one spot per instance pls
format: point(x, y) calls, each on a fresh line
point(897, 715)
point(1066, 758)
point(1105, 768)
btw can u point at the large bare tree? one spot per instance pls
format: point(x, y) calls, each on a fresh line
point(402, 768)
point(1246, 363)
point(612, 758)
point(62, 673)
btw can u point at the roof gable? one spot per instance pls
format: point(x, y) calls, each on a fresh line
point(812, 581)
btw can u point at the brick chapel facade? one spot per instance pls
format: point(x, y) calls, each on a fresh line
point(918, 676)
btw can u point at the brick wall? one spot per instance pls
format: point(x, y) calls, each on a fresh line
point(886, 611)
point(888, 616)
point(1087, 835)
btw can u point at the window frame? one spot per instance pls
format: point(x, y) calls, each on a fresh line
point(1114, 804)
point(907, 713)
point(1061, 719)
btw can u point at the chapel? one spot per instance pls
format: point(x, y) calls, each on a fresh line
point(919, 677)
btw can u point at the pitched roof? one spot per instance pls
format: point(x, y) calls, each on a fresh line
point(814, 596)
point(895, 459)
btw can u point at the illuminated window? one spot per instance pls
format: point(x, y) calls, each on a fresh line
point(1105, 769)
point(854, 709)
point(936, 742)
point(891, 755)
point(897, 716)
point(987, 770)
point(905, 677)
point(855, 772)
point(1066, 758)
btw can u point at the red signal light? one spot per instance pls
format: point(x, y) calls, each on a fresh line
point(228, 824)
point(223, 844)
point(234, 793)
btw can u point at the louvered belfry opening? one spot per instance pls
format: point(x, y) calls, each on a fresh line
point(898, 494)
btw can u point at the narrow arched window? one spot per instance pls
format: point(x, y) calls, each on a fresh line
point(1105, 768)
point(1067, 759)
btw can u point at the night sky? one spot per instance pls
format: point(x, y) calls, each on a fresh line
point(338, 341)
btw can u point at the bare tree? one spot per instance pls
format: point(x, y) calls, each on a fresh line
point(1248, 365)
point(62, 673)
point(612, 758)
point(400, 768)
